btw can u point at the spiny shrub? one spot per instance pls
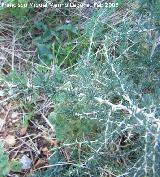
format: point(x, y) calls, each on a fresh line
point(107, 114)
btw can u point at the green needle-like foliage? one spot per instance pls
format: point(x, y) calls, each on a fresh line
point(107, 107)
point(4, 162)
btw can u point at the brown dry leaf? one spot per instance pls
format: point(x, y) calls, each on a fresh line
point(40, 163)
point(47, 138)
point(23, 131)
point(54, 143)
point(46, 151)
point(10, 140)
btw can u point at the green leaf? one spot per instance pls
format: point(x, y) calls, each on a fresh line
point(16, 166)
point(45, 53)
point(27, 118)
point(4, 162)
point(40, 25)
point(68, 27)
point(5, 171)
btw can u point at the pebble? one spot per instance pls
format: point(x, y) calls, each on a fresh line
point(26, 162)
point(14, 115)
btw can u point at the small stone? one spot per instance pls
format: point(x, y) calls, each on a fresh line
point(10, 140)
point(26, 162)
point(14, 115)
